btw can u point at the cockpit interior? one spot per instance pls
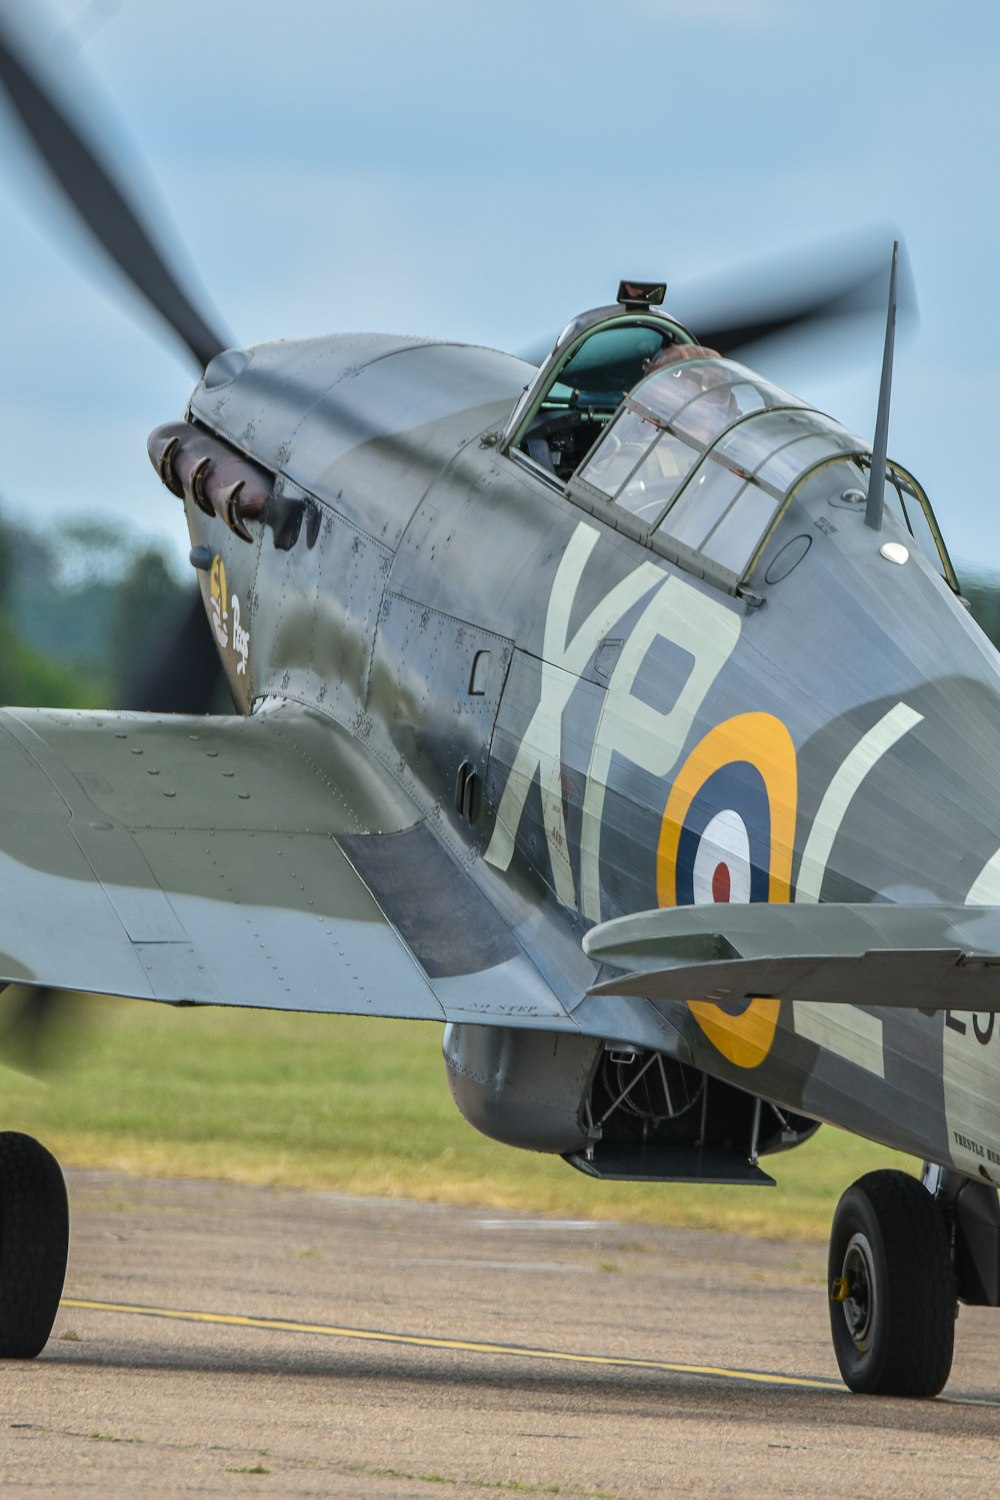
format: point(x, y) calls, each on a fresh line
point(586, 390)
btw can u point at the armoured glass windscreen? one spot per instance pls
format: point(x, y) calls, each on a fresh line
point(902, 498)
point(844, 486)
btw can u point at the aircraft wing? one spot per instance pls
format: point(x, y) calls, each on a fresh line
point(264, 861)
point(924, 957)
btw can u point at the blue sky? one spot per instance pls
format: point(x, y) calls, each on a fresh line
point(486, 172)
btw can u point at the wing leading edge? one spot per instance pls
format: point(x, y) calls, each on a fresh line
point(922, 957)
point(264, 862)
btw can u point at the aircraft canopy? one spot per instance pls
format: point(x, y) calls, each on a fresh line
point(706, 456)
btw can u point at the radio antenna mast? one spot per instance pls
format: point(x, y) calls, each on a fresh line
point(876, 480)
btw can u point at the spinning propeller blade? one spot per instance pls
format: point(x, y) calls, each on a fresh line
point(186, 676)
point(801, 294)
point(32, 1028)
point(844, 280)
point(103, 206)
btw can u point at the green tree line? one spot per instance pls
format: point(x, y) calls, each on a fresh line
point(81, 613)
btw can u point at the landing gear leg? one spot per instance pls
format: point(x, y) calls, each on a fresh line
point(892, 1288)
point(34, 1238)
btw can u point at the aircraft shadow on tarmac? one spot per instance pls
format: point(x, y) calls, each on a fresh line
point(636, 1393)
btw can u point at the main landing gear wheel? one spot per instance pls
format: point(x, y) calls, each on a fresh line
point(892, 1288)
point(34, 1238)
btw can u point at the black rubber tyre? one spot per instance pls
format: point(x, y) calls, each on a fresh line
point(892, 1288)
point(34, 1239)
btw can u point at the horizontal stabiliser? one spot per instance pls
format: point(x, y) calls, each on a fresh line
point(919, 957)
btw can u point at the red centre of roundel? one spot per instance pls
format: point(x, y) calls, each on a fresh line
point(721, 883)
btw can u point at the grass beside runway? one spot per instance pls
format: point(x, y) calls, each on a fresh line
point(356, 1106)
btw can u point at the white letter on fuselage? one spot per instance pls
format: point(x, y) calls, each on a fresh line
point(540, 751)
point(703, 628)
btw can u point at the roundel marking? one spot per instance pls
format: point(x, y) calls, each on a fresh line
point(727, 835)
point(742, 1031)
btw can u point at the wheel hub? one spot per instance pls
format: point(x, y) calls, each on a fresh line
point(854, 1289)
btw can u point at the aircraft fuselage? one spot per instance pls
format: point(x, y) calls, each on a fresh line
point(597, 731)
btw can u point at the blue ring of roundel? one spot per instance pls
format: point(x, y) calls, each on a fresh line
point(738, 786)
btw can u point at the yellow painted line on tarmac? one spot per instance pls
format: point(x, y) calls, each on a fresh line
point(466, 1346)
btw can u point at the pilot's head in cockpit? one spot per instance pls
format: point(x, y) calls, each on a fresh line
point(675, 354)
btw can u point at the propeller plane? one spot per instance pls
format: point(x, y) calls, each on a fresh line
point(623, 713)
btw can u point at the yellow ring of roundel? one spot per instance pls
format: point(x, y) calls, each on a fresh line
point(763, 742)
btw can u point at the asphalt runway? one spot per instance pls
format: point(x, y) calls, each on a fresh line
point(223, 1340)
